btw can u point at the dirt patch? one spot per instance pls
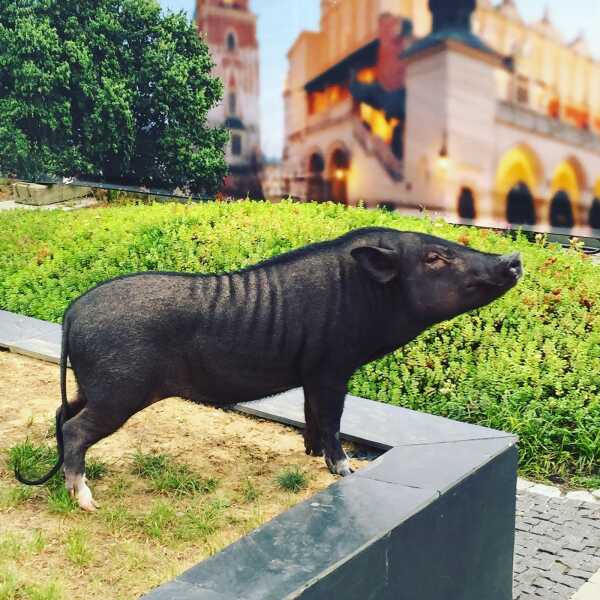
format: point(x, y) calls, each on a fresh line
point(140, 537)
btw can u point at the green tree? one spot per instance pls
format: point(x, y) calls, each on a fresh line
point(110, 89)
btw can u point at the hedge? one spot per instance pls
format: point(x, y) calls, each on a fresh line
point(529, 363)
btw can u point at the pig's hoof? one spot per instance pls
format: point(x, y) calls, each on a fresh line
point(339, 467)
point(82, 493)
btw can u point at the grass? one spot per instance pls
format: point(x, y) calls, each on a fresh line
point(528, 363)
point(14, 588)
point(168, 477)
point(95, 469)
point(32, 460)
point(249, 491)
point(292, 479)
point(77, 547)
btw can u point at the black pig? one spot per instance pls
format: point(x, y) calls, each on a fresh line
point(308, 318)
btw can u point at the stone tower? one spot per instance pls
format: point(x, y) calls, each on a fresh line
point(229, 28)
point(450, 110)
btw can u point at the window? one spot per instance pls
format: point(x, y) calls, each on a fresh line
point(236, 144)
point(522, 94)
point(231, 42)
point(232, 103)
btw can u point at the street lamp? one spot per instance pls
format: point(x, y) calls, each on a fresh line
point(443, 158)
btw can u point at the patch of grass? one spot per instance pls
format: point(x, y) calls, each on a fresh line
point(59, 499)
point(10, 547)
point(95, 469)
point(14, 547)
point(590, 483)
point(78, 550)
point(13, 588)
point(249, 491)
point(14, 496)
point(168, 477)
point(37, 542)
point(117, 517)
point(167, 524)
point(32, 460)
point(198, 525)
point(159, 521)
point(292, 479)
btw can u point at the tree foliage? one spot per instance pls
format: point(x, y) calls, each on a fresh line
point(110, 89)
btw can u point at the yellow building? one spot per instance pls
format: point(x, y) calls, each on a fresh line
point(481, 114)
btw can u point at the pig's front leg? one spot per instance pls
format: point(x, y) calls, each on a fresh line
point(326, 406)
point(312, 433)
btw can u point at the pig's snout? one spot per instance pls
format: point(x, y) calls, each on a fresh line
point(511, 267)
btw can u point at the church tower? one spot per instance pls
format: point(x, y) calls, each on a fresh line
point(229, 29)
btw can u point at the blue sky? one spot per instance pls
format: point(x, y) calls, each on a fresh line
point(280, 21)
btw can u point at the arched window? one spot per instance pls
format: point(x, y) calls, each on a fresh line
point(466, 204)
point(231, 42)
point(519, 205)
point(595, 214)
point(232, 103)
point(236, 144)
point(561, 211)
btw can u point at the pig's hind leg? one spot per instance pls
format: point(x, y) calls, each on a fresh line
point(101, 416)
point(326, 405)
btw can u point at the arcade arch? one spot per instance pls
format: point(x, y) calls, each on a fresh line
point(567, 184)
point(520, 209)
point(518, 177)
point(594, 216)
point(466, 203)
point(316, 186)
point(338, 169)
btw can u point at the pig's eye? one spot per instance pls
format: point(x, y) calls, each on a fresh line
point(434, 257)
point(435, 260)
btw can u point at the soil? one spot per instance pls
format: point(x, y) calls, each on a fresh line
point(126, 547)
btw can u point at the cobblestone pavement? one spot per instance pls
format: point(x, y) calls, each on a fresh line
point(557, 546)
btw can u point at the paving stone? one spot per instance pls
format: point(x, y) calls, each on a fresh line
point(581, 495)
point(524, 484)
point(545, 490)
point(557, 549)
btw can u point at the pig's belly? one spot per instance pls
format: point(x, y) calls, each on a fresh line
point(224, 384)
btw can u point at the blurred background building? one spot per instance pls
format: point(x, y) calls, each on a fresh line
point(453, 105)
point(229, 28)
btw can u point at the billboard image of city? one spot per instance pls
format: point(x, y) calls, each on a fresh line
point(476, 113)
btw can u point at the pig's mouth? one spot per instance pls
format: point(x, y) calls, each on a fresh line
point(512, 276)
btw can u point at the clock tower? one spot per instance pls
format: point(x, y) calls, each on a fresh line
point(229, 29)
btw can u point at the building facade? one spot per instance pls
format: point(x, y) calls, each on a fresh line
point(229, 29)
point(452, 105)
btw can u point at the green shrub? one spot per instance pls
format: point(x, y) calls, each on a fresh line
point(528, 363)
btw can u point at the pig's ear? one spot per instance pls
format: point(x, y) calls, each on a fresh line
point(380, 263)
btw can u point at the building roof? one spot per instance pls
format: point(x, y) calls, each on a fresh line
point(342, 71)
point(393, 103)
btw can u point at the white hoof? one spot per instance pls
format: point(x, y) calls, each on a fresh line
point(340, 467)
point(82, 493)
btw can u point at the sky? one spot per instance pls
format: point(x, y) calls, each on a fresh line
point(280, 21)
